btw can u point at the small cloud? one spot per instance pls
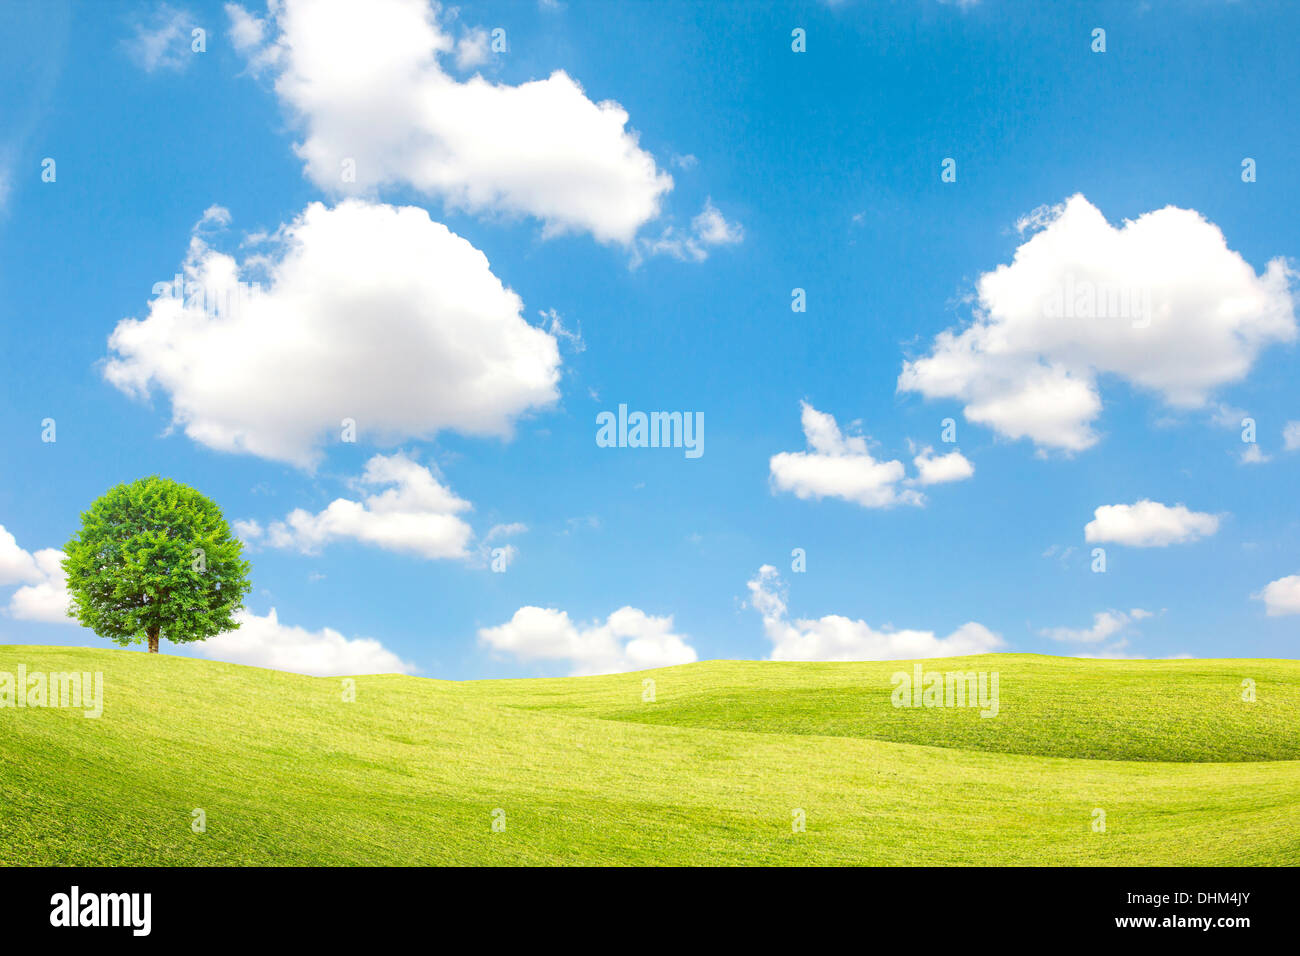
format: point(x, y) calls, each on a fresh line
point(472, 49)
point(1282, 596)
point(214, 217)
point(1105, 624)
point(414, 514)
point(837, 638)
point(1253, 456)
point(584, 523)
point(1291, 436)
point(1228, 416)
point(1061, 553)
point(839, 466)
point(162, 40)
point(628, 640)
point(505, 530)
point(708, 229)
point(938, 469)
point(1149, 524)
point(247, 529)
point(555, 326)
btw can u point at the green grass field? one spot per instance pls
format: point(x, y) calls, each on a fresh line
point(586, 772)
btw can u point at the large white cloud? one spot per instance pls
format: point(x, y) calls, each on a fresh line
point(366, 83)
point(1160, 302)
point(628, 640)
point(1149, 524)
point(368, 312)
point(1282, 596)
point(837, 638)
point(265, 642)
point(842, 466)
point(414, 514)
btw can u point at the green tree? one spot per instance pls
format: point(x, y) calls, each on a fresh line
point(155, 558)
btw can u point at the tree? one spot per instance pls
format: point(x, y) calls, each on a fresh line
point(155, 558)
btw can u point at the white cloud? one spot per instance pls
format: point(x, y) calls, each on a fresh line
point(1281, 596)
point(708, 229)
point(472, 49)
point(265, 642)
point(247, 32)
point(554, 324)
point(1160, 302)
point(1104, 625)
point(44, 593)
point(47, 598)
point(415, 514)
point(935, 469)
point(836, 638)
point(837, 466)
point(713, 229)
point(366, 82)
point(369, 312)
point(1291, 436)
point(17, 566)
point(1253, 456)
point(1149, 524)
point(247, 529)
point(1228, 416)
point(629, 640)
point(214, 217)
point(162, 42)
point(505, 530)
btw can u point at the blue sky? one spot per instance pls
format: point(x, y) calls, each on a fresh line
point(654, 257)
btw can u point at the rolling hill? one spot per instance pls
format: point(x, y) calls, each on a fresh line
point(714, 770)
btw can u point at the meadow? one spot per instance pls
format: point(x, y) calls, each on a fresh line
point(720, 767)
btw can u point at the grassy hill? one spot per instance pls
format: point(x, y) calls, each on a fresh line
point(586, 772)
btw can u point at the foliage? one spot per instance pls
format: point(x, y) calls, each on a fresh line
point(155, 558)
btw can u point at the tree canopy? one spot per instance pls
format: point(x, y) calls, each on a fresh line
point(155, 558)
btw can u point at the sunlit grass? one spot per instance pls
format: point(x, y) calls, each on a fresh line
point(587, 772)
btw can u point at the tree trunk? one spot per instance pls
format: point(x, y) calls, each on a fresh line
point(153, 640)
